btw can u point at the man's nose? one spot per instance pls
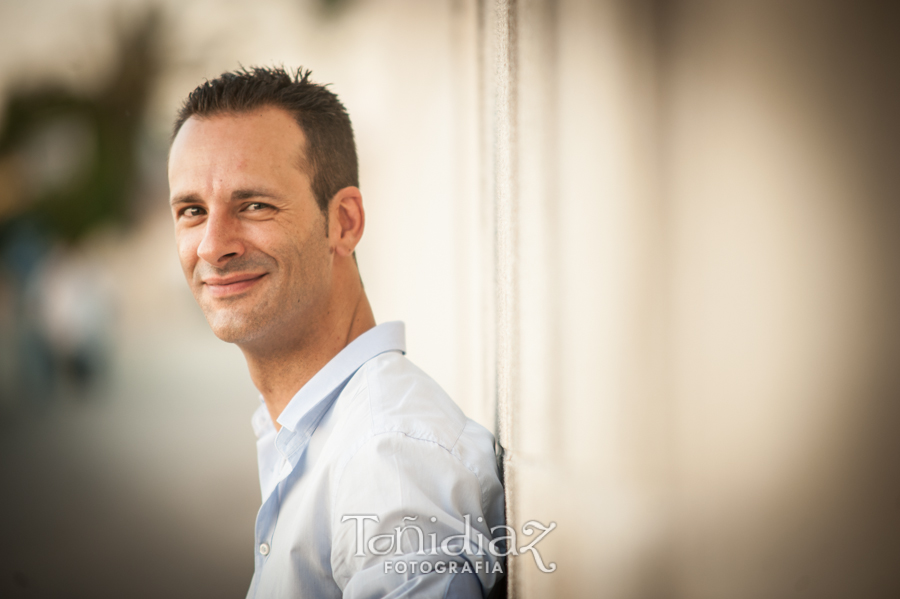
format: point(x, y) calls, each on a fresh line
point(221, 240)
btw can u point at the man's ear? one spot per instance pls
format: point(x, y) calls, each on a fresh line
point(346, 220)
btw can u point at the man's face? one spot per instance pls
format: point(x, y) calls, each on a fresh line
point(251, 238)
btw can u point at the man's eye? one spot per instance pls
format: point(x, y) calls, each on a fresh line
point(256, 206)
point(192, 211)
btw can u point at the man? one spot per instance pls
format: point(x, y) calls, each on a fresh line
point(374, 483)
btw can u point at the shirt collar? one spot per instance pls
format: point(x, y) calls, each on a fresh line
point(388, 336)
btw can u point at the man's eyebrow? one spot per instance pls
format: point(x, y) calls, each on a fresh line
point(246, 194)
point(184, 199)
point(236, 195)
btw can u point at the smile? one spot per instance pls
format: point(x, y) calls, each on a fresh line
point(221, 287)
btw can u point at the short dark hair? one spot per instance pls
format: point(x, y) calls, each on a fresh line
point(330, 153)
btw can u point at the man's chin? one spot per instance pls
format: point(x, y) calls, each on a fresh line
point(232, 329)
point(229, 335)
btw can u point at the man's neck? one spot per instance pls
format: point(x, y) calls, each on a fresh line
point(280, 374)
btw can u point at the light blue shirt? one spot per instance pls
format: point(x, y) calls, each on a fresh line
point(376, 485)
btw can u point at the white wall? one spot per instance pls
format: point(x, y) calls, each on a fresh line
point(706, 279)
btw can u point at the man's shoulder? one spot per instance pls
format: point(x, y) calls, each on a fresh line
point(396, 396)
point(402, 398)
point(397, 417)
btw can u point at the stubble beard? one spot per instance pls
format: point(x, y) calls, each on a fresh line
point(269, 316)
point(234, 324)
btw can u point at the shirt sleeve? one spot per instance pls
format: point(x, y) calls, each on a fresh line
point(412, 519)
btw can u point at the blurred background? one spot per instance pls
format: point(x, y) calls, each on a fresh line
point(653, 244)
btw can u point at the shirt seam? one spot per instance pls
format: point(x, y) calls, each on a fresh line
point(372, 435)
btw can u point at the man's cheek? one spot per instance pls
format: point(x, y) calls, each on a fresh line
point(187, 255)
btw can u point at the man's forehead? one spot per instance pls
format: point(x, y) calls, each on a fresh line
point(259, 135)
point(266, 123)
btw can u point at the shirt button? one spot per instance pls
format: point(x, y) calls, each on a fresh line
point(264, 549)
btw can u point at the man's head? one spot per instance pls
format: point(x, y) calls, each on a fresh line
point(266, 258)
point(329, 156)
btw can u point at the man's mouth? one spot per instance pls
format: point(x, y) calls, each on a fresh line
point(221, 287)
